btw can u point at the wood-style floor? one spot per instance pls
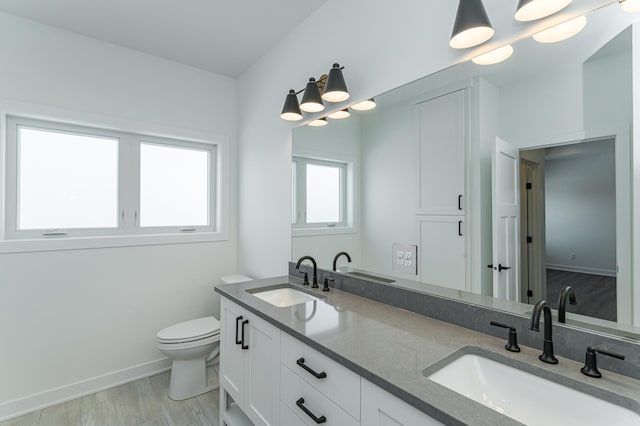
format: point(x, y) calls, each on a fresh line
point(141, 403)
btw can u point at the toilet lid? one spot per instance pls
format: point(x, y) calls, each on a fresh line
point(190, 330)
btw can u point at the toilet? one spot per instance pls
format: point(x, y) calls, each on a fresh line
point(190, 345)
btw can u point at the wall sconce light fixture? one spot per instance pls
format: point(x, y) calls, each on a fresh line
point(494, 56)
point(530, 10)
point(366, 105)
point(336, 89)
point(319, 122)
point(291, 109)
point(472, 26)
point(311, 100)
point(561, 31)
point(331, 88)
point(340, 114)
point(631, 6)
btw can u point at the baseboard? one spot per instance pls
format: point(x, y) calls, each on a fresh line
point(582, 270)
point(38, 401)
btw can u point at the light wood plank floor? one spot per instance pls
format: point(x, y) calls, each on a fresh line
point(141, 403)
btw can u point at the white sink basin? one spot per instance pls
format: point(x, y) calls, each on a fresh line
point(526, 397)
point(284, 296)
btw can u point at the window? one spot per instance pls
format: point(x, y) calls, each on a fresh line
point(319, 193)
point(174, 186)
point(75, 181)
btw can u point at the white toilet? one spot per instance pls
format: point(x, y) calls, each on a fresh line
point(190, 345)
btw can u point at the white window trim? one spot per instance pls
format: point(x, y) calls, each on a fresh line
point(348, 224)
point(109, 123)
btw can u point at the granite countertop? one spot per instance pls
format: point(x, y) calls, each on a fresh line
point(391, 347)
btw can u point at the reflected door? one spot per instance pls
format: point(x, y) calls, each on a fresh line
point(506, 221)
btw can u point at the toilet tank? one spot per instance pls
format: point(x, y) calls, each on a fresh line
point(235, 278)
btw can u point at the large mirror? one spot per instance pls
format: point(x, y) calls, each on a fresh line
point(567, 111)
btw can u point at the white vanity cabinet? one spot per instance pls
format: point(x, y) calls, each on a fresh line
point(326, 388)
point(268, 377)
point(380, 408)
point(249, 364)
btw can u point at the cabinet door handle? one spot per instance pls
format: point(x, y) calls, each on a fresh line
point(460, 228)
point(237, 323)
point(460, 202)
point(318, 420)
point(320, 375)
point(243, 346)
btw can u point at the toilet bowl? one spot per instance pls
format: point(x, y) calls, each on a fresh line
point(190, 345)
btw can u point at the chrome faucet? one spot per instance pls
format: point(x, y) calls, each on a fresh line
point(547, 351)
point(342, 253)
point(562, 302)
point(315, 269)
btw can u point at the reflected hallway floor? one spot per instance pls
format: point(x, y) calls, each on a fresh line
point(595, 294)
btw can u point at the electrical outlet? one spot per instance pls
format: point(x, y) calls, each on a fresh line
point(404, 258)
point(572, 256)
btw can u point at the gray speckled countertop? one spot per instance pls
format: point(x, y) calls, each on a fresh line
point(391, 347)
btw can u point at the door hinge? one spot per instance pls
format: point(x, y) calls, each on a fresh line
point(529, 240)
point(528, 185)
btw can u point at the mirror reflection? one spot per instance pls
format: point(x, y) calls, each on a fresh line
point(512, 180)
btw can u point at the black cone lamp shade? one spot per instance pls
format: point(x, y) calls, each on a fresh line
point(530, 10)
point(311, 100)
point(291, 110)
point(472, 26)
point(335, 89)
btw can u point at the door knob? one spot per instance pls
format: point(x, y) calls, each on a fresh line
point(503, 268)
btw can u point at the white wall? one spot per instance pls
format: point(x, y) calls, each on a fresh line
point(389, 186)
point(71, 321)
point(543, 109)
point(607, 98)
point(580, 204)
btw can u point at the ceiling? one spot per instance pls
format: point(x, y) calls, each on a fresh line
point(221, 36)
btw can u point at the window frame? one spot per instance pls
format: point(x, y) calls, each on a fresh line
point(128, 232)
point(299, 222)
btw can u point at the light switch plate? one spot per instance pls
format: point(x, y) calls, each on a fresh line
point(404, 258)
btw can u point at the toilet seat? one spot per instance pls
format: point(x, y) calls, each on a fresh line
point(190, 331)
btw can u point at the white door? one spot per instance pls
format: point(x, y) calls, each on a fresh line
point(506, 221)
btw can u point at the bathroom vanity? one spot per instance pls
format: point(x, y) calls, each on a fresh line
point(293, 355)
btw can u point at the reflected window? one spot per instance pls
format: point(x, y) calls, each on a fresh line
point(319, 193)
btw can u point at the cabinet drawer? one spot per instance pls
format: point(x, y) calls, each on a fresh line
point(294, 391)
point(340, 385)
point(288, 417)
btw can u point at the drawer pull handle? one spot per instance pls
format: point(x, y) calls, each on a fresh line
point(237, 324)
point(320, 375)
point(242, 345)
point(318, 420)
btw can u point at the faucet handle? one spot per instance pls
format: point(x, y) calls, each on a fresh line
point(306, 279)
point(512, 344)
point(326, 283)
point(590, 365)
